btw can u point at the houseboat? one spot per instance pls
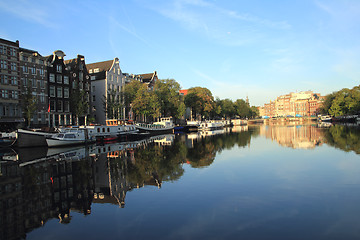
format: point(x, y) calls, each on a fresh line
point(164, 125)
point(211, 125)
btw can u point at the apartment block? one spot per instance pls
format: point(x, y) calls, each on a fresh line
point(10, 109)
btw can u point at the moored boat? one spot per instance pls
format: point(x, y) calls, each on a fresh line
point(32, 138)
point(211, 125)
point(7, 139)
point(164, 125)
point(71, 136)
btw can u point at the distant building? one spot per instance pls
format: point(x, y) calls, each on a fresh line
point(106, 79)
point(304, 103)
point(10, 109)
point(33, 77)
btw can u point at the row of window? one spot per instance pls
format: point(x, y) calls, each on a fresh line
point(9, 94)
point(11, 52)
point(32, 70)
point(59, 92)
point(59, 78)
point(32, 60)
point(9, 80)
point(34, 83)
point(4, 65)
point(60, 106)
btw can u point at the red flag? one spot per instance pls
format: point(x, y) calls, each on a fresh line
point(49, 108)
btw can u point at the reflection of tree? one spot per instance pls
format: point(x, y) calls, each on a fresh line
point(343, 137)
point(156, 163)
point(204, 151)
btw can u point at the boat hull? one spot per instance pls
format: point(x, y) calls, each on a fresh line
point(27, 138)
point(53, 142)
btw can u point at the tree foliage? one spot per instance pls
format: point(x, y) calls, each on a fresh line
point(344, 102)
point(200, 100)
point(29, 105)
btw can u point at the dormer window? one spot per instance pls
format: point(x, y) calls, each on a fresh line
point(96, 70)
point(59, 68)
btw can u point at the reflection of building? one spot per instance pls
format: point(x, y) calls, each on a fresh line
point(33, 193)
point(294, 136)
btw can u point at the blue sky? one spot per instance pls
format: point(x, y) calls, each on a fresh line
point(258, 48)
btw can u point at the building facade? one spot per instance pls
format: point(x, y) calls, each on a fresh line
point(10, 109)
point(299, 104)
point(107, 81)
point(59, 90)
point(80, 89)
point(33, 78)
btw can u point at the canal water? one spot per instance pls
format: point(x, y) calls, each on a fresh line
point(256, 182)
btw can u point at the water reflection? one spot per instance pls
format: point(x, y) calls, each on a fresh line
point(294, 136)
point(40, 184)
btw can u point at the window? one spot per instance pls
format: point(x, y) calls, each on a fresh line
point(42, 83)
point(93, 98)
point(12, 52)
point(41, 62)
point(32, 70)
point(42, 97)
point(52, 77)
point(81, 76)
point(96, 70)
point(60, 106)
point(59, 92)
point(3, 64)
point(52, 105)
point(13, 66)
point(14, 80)
point(15, 94)
point(66, 92)
point(25, 81)
point(59, 68)
point(52, 91)
point(58, 78)
point(33, 83)
point(4, 79)
point(5, 94)
point(90, 71)
point(66, 79)
point(74, 84)
point(2, 49)
point(41, 72)
point(66, 106)
point(25, 69)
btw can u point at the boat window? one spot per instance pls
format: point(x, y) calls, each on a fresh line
point(98, 130)
point(108, 129)
point(103, 129)
point(70, 136)
point(60, 135)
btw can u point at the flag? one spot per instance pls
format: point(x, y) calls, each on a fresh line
point(49, 108)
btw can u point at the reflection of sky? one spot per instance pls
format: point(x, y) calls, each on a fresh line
point(263, 191)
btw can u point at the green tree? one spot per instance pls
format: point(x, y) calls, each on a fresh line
point(146, 103)
point(227, 108)
point(29, 105)
point(170, 101)
point(112, 104)
point(200, 100)
point(242, 108)
point(79, 103)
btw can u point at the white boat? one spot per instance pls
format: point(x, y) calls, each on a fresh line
point(70, 136)
point(325, 118)
point(211, 125)
point(164, 125)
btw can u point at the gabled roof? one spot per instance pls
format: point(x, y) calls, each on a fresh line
point(103, 66)
point(148, 77)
